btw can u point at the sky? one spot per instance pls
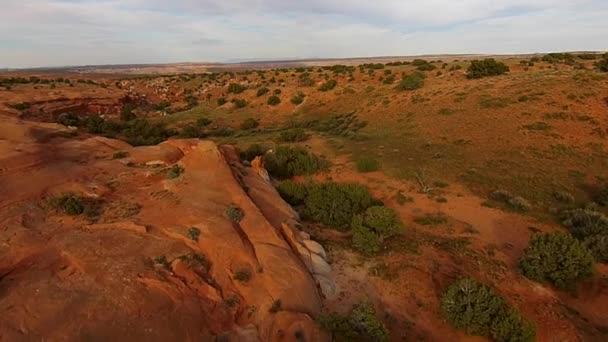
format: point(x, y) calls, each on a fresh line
point(84, 32)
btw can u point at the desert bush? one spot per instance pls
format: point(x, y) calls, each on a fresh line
point(234, 213)
point(411, 82)
point(514, 202)
point(367, 164)
point(242, 275)
point(253, 151)
point(69, 119)
point(140, 132)
point(329, 85)
point(262, 91)
point(293, 135)
point(426, 67)
point(455, 67)
point(126, 114)
point(371, 228)
point(120, 155)
point(68, 203)
point(478, 310)
point(249, 123)
point(418, 62)
point(221, 101)
point(335, 204)
point(557, 258)
point(298, 98)
point(564, 197)
point(584, 223)
point(287, 162)
point(194, 233)
point(591, 228)
point(274, 100)
point(292, 192)
point(236, 88)
point(601, 196)
point(175, 171)
point(304, 80)
point(278, 91)
point(486, 67)
point(361, 324)
point(21, 106)
point(602, 65)
point(203, 122)
point(240, 103)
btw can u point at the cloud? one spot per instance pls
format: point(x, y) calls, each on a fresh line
point(71, 32)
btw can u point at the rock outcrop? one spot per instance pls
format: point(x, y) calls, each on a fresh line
point(151, 258)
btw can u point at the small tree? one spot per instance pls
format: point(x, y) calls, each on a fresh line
point(558, 259)
point(236, 88)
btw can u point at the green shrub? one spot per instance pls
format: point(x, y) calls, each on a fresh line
point(194, 233)
point(69, 119)
point(240, 103)
point(293, 135)
point(590, 227)
point(329, 85)
point(274, 100)
point(21, 106)
point(203, 122)
point(287, 162)
point(336, 204)
point(583, 223)
point(126, 114)
point(602, 65)
point(262, 91)
point(486, 67)
point(250, 123)
point(411, 82)
point(361, 324)
point(367, 164)
point(234, 213)
point(426, 67)
point(277, 91)
point(253, 151)
point(68, 203)
point(298, 98)
point(601, 196)
point(389, 80)
point(514, 202)
point(175, 171)
point(292, 192)
point(120, 155)
point(276, 306)
point(558, 259)
point(476, 309)
point(243, 275)
point(221, 101)
point(374, 226)
point(141, 132)
point(236, 88)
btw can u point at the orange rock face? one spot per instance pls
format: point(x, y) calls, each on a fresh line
point(151, 258)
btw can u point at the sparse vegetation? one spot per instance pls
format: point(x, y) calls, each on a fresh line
point(120, 155)
point(68, 203)
point(558, 259)
point(367, 164)
point(262, 91)
point(253, 151)
point(512, 201)
point(293, 135)
point(591, 228)
point(361, 324)
point(478, 310)
point(243, 275)
point(276, 306)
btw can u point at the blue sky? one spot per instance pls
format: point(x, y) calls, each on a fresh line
point(77, 32)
